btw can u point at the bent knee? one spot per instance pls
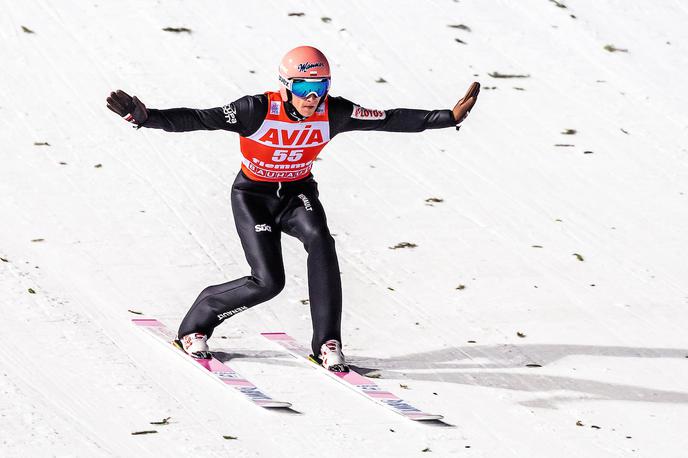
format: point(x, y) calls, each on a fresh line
point(319, 235)
point(269, 286)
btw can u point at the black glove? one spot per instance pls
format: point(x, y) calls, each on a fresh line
point(128, 107)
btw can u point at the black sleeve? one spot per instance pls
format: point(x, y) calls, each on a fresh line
point(346, 116)
point(242, 116)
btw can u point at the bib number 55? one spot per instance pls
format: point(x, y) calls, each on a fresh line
point(281, 155)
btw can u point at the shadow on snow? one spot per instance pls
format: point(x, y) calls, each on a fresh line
point(476, 364)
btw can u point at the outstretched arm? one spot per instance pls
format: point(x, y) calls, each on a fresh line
point(238, 116)
point(347, 116)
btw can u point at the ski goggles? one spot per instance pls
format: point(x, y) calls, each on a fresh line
point(302, 88)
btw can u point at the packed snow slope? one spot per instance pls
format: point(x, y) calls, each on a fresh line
point(542, 310)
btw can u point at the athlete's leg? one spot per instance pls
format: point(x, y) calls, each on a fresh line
point(260, 239)
point(305, 219)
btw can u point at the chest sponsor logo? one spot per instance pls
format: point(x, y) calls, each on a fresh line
point(275, 108)
point(281, 172)
point(304, 136)
point(263, 228)
point(367, 114)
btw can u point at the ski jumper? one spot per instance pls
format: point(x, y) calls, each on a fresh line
point(275, 193)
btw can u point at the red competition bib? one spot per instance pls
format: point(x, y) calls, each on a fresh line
point(282, 149)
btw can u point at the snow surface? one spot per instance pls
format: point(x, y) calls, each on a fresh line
point(106, 219)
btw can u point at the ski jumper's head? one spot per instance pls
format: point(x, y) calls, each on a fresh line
point(304, 76)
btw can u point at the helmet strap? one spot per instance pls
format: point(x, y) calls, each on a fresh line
point(322, 99)
point(291, 109)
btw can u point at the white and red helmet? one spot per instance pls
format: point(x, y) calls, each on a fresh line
point(302, 63)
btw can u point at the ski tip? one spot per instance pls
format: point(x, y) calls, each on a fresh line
point(275, 404)
point(276, 336)
point(145, 321)
point(426, 417)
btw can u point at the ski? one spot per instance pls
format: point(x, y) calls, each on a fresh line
point(213, 367)
point(354, 380)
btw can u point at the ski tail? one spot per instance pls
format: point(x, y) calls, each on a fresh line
point(215, 368)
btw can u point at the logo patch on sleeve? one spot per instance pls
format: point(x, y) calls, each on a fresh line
point(230, 113)
point(274, 108)
point(367, 114)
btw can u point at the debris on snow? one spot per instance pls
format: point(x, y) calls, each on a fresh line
point(403, 245)
point(164, 421)
point(460, 27)
point(612, 48)
point(177, 29)
point(502, 75)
